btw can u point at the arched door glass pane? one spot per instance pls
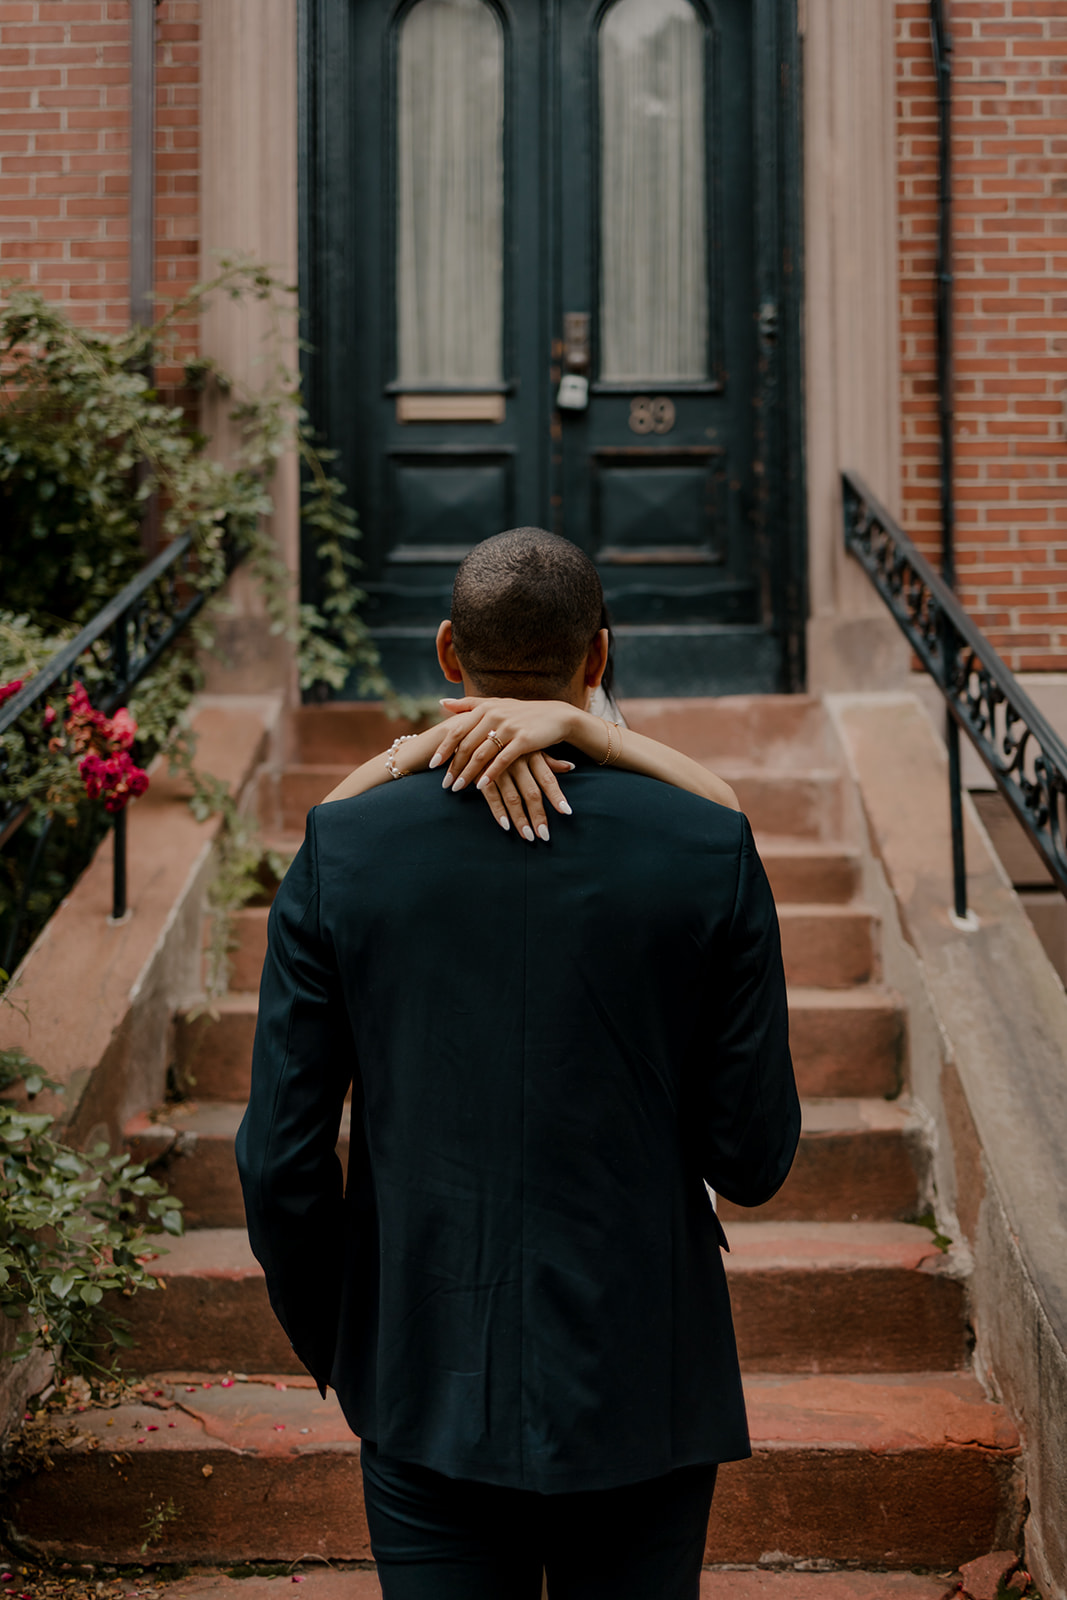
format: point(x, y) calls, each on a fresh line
point(450, 195)
point(653, 235)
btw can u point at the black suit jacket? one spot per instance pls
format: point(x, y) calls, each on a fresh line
point(550, 1048)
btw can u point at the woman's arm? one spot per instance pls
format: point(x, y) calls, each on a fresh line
point(413, 755)
point(521, 726)
point(517, 797)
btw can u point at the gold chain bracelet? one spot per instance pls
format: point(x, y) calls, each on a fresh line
point(614, 751)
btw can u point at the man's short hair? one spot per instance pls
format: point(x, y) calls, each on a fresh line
point(526, 606)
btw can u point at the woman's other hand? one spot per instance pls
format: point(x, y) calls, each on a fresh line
point(517, 796)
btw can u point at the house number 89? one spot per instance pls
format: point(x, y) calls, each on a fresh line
point(651, 416)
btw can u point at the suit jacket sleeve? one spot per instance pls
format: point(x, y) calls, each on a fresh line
point(302, 1064)
point(746, 1121)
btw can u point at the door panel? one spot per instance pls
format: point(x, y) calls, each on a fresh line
point(499, 194)
point(450, 387)
point(658, 115)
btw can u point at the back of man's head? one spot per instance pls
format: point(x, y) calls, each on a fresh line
point(526, 607)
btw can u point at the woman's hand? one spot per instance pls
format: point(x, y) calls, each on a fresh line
point(517, 794)
point(486, 737)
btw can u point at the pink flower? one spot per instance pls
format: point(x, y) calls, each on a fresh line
point(9, 689)
point(123, 729)
point(49, 716)
point(114, 779)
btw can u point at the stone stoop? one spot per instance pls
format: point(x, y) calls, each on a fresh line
point(873, 1443)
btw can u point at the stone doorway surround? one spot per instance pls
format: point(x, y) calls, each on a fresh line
point(852, 326)
point(851, 305)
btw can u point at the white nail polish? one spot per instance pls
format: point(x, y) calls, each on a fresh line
point(528, 834)
point(543, 831)
point(504, 823)
point(435, 760)
point(482, 782)
point(565, 808)
point(460, 783)
point(446, 781)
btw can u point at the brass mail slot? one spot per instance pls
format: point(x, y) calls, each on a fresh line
point(450, 407)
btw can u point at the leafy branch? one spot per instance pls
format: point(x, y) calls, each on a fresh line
point(74, 1231)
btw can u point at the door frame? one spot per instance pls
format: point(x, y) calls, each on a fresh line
point(328, 73)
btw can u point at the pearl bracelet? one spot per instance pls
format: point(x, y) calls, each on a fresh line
point(390, 756)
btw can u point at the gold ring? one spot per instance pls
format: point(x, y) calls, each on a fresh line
point(496, 739)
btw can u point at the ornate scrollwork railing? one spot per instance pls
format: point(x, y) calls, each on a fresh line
point(124, 641)
point(1024, 754)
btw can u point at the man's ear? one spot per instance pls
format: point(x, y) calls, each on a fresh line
point(446, 654)
point(596, 662)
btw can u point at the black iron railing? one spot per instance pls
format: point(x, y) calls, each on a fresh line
point(124, 640)
point(1024, 754)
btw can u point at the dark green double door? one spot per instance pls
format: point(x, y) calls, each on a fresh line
point(543, 259)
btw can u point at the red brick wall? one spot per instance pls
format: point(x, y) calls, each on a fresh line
point(1010, 173)
point(65, 151)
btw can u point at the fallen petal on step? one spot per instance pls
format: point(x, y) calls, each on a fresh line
point(279, 1427)
point(281, 1386)
point(227, 1383)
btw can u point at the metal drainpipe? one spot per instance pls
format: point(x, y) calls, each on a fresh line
point(143, 205)
point(142, 313)
point(142, 160)
point(942, 48)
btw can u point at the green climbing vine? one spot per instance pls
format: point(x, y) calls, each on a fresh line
point(87, 444)
point(75, 1231)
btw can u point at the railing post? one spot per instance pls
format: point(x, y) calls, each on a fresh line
point(121, 656)
point(118, 875)
point(955, 800)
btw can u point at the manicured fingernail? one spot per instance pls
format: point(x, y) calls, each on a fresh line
point(483, 781)
point(446, 700)
point(460, 783)
point(543, 831)
point(446, 781)
point(504, 823)
point(436, 759)
point(528, 834)
point(565, 808)
point(570, 766)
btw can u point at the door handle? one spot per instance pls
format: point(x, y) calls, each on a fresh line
point(574, 386)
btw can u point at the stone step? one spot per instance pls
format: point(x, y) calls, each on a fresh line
point(809, 871)
point(829, 947)
point(803, 873)
point(731, 1583)
point(847, 1041)
point(845, 1297)
point(857, 1161)
point(190, 1145)
point(804, 804)
point(781, 730)
point(213, 1047)
point(913, 1470)
point(248, 940)
point(844, 1042)
point(807, 1297)
point(818, 871)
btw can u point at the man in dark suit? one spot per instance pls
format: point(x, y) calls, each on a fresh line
point(519, 1294)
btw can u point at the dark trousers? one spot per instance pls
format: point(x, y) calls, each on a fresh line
point(436, 1538)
